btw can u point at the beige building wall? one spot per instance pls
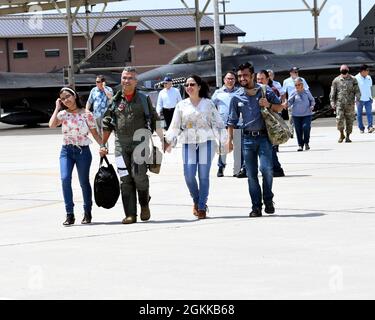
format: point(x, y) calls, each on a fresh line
point(36, 60)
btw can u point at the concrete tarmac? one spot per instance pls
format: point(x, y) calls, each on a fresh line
point(320, 244)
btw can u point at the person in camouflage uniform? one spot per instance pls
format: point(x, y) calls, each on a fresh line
point(344, 90)
point(132, 116)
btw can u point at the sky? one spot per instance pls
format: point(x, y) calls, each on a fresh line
point(338, 18)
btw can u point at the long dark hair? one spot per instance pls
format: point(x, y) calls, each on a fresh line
point(204, 90)
point(70, 90)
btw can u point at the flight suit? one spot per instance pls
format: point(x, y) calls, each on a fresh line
point(342, 97)
point(125, 118)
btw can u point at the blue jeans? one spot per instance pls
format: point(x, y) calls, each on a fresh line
point(222, 161)
point(368, 108)
point(275, 159)
point(254, 147)
point(81, 157)
point(302, 126)
point(198, 156)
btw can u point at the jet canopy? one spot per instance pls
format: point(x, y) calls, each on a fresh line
point(207, 52)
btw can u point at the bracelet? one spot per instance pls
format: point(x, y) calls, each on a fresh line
point(103, 146)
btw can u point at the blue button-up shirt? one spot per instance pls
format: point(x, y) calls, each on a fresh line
point(248, 107)
point(221, 98)
point(99, 101)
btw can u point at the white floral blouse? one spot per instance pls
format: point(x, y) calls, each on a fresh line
point(196, 124)
point(76, 127)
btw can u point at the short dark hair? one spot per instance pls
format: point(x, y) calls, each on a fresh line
point(364, 67)
point(230, 72)
point(101, 77)
point(246, 65)
point(204, 90)
point(265, 72)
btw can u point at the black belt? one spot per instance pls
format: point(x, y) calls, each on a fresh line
point(255, 133)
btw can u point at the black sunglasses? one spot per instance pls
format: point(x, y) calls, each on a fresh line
point(191, 84)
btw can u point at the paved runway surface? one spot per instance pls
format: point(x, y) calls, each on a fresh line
point(320, 244)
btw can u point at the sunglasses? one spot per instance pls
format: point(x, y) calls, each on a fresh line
point(191, 84)
point(299, 85)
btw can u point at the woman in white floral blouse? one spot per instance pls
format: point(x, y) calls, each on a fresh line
point(197, 124)
point(76, 126)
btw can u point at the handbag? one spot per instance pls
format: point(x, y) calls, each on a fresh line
point(278, 130)
point(106, 185)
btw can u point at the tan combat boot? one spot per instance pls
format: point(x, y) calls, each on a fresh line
point(342, 136)
point(129, 220)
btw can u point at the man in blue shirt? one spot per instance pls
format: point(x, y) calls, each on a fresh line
point(221, 98)
point(365, 84)
point(248, 102)
point(99, 99)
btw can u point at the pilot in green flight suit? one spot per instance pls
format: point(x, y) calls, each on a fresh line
point(126, 116)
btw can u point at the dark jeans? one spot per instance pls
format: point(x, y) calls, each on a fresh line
point(81, 157)
point(303, 129)
point(168, 115)
point(254, 148)
point(275, 159)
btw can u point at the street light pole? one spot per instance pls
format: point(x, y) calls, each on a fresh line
point(223, 2)
point(69, 22)
point(217, 44)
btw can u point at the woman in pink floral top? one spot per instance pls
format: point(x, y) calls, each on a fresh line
point(76, 125)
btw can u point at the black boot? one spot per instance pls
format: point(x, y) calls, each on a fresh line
point(347, 138)
point(69, 219)
point(256, 212)
point(220, 172)
point(86, 218)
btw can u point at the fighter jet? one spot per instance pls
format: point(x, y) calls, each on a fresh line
point(318, 67)
point(28, 98)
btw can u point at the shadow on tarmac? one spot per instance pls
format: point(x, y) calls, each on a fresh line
point(311, 150)
point(302, 215)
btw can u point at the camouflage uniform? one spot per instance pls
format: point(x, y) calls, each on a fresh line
point(342, 97)
point(125, 118)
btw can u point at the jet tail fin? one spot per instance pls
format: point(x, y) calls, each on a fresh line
point(365, 32)
point(113, 51)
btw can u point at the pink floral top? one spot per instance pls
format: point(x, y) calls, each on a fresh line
point(76, 127)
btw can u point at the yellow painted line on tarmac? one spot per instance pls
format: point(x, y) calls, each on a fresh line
point(31, 207)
